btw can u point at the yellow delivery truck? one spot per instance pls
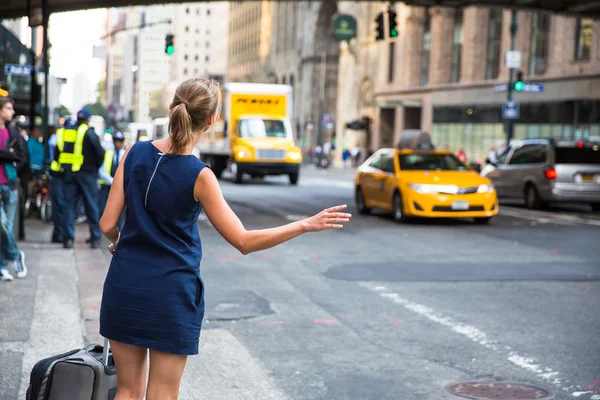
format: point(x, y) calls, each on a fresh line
point(255, 135)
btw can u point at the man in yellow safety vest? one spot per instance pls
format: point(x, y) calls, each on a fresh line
point(78, 156)
point(107, 171)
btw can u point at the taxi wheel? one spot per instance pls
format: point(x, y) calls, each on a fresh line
point(398, 208)
point(360, 202)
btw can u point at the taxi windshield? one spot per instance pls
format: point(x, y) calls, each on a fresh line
point(431, 162)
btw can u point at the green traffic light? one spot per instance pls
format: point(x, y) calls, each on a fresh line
point(170, 50)
point(519, 86)
point(394, 33)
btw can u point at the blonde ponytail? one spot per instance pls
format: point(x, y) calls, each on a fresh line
point(194, 103)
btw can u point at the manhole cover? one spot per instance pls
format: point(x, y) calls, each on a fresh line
point(498, 390)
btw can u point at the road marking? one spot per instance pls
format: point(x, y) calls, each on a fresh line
point(545, 218)
point(325, 321)
point(474, 334)
point(394, 321)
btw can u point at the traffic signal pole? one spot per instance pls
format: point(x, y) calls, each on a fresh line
point(513, 34)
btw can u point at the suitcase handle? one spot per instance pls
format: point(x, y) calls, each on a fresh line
point(105, 352)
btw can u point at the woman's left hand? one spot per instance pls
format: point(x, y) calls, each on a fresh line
point(112, 247)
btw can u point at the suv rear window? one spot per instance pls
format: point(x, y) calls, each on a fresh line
point(577, 155)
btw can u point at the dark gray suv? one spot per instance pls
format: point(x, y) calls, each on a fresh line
point(541, 171)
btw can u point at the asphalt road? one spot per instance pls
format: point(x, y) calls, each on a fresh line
point(381, 310)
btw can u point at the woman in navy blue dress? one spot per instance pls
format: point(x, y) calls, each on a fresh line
point(153, 298)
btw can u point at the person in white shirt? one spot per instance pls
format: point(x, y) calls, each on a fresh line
point(107, 171)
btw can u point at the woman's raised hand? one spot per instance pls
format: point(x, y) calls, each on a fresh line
point(330, 218)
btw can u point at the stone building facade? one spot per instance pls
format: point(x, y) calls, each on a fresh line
point(440, 74)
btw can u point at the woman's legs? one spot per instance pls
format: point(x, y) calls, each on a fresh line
point(165, 375)
point(131, 364)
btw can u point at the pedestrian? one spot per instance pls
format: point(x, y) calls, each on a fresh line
point(57, 196)
point(79, 155)
point(462, 156)
point(153, 297)
point(107, 171)
point(12, 159)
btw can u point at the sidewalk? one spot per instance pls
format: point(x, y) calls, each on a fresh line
point(56, 309)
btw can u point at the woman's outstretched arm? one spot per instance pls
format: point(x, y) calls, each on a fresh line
point(208, 192)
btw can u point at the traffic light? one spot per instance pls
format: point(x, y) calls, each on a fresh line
point(393, 26)
point(379, 29)
point(169, 48)
point(519, 81)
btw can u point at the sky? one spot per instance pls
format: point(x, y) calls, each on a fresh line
point(73, 35)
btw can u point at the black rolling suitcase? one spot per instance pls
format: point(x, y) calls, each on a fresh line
point(82, 374)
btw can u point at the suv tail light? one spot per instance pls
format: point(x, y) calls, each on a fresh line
point(550, 174)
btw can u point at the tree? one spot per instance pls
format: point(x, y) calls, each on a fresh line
point(63, 111)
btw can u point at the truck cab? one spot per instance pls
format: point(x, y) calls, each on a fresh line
point(256, 136)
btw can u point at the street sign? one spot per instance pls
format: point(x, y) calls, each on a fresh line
point(344, 27)
point(510, 110)
point(533, 87)
point(512, 59)
point(14, 69)
point(527, 87)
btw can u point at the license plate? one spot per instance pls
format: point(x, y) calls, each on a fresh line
point(460, 205)
point(584, 178)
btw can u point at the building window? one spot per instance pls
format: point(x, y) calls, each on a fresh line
point(207, 45)
point(492, 61)
point(187, 28)
point(185, 71)
point(196, 58)
point(426, 49)
point(185, 57)
point(391, 62)
point(457, 40)
point(540, 23)
point(207, 58)
point(197, 11)
point(208, 11)
point(583, 38)
point(187, 10)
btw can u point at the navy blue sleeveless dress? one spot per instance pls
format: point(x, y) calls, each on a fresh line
point(153, 295)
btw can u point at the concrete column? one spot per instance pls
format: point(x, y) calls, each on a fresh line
point(413, 45)
point(474, 48)
point(426, 113)
point(376, 132)
point(398, 124)
point(442, 25)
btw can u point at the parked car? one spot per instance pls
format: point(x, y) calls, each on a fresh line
point(542, 171)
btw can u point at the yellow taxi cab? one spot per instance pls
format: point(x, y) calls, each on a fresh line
point(423, 183)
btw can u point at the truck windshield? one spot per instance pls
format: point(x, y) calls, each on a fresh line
point(431, 162)
point(261, 128)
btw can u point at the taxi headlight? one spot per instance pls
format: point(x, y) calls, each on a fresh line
point(421, 188)
point(485, 188)
point(294, 155)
